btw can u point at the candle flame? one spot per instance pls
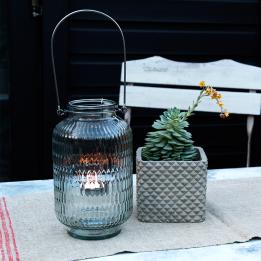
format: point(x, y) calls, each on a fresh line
point(96, 158)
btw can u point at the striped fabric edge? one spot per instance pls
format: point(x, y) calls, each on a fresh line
point(8, 246)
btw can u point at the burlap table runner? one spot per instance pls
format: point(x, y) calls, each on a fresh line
point(30, 231)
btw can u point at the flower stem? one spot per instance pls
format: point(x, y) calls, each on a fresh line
point(194, 104)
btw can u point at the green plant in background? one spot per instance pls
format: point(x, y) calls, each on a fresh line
point(169, 140)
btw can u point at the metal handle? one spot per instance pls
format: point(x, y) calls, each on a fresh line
point(59, 110)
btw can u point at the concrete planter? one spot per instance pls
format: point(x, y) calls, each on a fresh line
point(171, 191)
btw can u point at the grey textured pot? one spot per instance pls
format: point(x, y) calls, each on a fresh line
point(171, 191)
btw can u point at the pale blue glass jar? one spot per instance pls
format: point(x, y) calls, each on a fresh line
point(92, 169)
point(92, 161)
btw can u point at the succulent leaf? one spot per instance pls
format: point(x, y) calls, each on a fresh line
point(169, 140)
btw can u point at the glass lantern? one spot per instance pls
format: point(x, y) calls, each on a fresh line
point(92, 164)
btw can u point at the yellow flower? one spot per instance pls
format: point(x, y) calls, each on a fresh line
point(208, 91)
point(220, 104)
point(226, 113)
point(222, 116)
point(214, 94)
point(202, 84)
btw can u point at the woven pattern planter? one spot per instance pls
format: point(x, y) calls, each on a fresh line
point(171, 191)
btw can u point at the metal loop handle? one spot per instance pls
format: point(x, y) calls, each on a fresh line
point(59, 110)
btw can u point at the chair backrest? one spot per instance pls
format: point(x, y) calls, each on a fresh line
point(157, 82)
point(149, 76)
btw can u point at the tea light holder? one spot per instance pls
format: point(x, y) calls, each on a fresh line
point(92, 161)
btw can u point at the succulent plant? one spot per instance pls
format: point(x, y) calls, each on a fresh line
point(169, 140)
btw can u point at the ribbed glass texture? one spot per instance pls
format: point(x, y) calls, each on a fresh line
point(92, 168)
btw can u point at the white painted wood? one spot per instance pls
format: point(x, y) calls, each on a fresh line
point(163, 98)
point(250, 127)
point(223, 73)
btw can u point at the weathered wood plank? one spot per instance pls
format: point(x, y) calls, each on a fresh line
point(223, 73)
point(162, 98)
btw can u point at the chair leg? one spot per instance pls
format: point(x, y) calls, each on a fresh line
point(250, 126)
